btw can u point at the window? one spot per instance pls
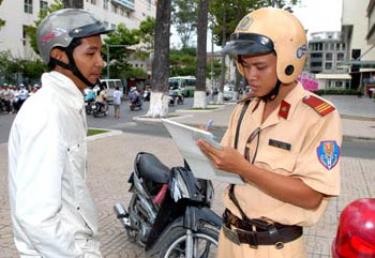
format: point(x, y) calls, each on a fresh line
point(28, 6)
point(149, 5)
point(316, 55)
point(340, 56)
point(43, 6)
point(328, 56)
point(105, 4)
point(328, 66)
point(338, 84)
point(316, 64)
point(93, 2)
point(24, 35)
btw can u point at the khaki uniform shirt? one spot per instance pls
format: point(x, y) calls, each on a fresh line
point(296, 141)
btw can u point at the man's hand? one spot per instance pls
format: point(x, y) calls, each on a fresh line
point(226, 158)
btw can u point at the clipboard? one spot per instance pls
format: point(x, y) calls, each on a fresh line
point(185, 138)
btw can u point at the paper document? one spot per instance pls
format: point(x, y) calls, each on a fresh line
point(185, 138)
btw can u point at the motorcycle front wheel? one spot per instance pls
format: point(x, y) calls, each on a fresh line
point(205, 242)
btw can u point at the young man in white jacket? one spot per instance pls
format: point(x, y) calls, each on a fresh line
point(52, 212)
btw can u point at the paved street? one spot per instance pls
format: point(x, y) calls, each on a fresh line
point(111, 161)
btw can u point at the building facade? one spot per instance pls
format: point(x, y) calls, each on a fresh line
point(19, 14)
point(326, 59)
point(327, 52)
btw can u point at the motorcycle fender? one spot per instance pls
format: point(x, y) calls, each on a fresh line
point(194, 216)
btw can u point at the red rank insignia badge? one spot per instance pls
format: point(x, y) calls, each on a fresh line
point(319, 105)
point(284, 109)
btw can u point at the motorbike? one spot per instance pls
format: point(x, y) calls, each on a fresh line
point(146, 95)
point(89, 106)
point(176, 96)
point(169, 212)
point(99, 109)
point(135, 101)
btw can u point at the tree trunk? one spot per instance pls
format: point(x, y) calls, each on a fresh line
point(220, 99)
point(160, 63)
point(73, 3)
point(200, 96)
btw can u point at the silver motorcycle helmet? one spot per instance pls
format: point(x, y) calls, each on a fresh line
point(61, 28)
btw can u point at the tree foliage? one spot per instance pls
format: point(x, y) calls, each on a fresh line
point(147, 31)
point(2, 22)
point(226, 14)
point(31, 30)
point(184, 15)
point(183, 62)
point(115, 45)
point(30, 70)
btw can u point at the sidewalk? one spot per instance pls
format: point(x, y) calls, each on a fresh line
point(111, 162)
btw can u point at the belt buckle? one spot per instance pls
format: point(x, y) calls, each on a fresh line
point(231, 235)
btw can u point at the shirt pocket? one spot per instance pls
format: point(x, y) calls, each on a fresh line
point(277, 159)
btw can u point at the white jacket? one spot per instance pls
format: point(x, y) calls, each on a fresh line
point(52, 212)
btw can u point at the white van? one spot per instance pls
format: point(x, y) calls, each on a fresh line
point(111, 86)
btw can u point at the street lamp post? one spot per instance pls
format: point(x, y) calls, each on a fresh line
point(108, 59)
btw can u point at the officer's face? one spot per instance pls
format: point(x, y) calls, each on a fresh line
point(260, 73)
point(88, 59)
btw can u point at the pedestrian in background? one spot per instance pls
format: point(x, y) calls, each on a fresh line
point(117, 95)
point(52, 212)
point(284, 142)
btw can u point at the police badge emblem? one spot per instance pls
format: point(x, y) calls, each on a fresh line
point(328, 154)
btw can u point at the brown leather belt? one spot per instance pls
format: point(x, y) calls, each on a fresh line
point(257, 232)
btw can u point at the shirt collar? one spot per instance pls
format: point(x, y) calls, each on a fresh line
point(291, 101)
point(288, 104)
point(65, 86)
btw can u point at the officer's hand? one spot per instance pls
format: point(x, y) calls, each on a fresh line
point(226, 158)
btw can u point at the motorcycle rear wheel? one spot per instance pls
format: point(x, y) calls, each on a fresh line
point(205, 243)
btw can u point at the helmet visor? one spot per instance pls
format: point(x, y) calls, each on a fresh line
point(242, 44)
point(89, 30)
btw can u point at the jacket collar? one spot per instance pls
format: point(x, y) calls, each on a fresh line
point(65, 86)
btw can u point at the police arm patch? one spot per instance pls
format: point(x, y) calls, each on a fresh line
point(328, 154)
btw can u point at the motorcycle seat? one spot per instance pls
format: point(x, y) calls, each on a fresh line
point(151, 168)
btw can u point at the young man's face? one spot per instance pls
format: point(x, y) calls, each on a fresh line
point(260, 73)
point(88, 59)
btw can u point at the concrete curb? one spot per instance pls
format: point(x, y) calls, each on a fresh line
point(359, 118)
point(110, 133)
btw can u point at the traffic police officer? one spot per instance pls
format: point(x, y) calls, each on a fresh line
point(284, 143)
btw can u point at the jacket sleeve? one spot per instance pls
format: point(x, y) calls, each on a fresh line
point(41, 161)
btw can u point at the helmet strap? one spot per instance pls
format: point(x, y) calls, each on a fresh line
point(72, 66)
point(273, 93)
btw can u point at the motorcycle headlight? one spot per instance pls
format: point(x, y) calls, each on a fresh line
point(179, 190)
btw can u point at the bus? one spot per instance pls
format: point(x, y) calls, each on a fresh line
point(184, 83)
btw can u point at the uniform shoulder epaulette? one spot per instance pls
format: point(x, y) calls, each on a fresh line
point(319, 105)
